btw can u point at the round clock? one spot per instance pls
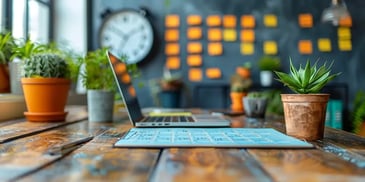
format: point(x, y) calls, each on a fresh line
point(128, 33)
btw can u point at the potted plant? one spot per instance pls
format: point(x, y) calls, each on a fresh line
point(238, 89)
point(268, 64)
point(170, 86)
point(6, 45)
point(46, 84)
point(305, 110)
point(358, 113)
point(255, 104)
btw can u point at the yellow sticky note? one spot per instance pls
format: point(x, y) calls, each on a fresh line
point(247, 35)
point(247, 48)
point(270, 20)
point(195, 74)
point(194, 33)
point(213, 73)
point(173, 62)
point(194, 60)
point(305, 47)
point(215, 49)
point(248, 21)
point(194, 47)
point(194, 20)
point(214, 34)
point(214, 20)
point(324, 45)
point(344, 45)
point(344, 33)
point(171, 35)
point(270, 48)
point(172, 21)
point(229, 21)
point(172, 49)
point(229, 35)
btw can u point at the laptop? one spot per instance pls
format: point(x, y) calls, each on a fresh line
point(128, 93)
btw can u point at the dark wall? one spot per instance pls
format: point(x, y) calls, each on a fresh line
point(286, 34)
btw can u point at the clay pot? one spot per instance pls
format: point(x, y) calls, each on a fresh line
point(305, 115)
point(236, 101)
point(4, 79)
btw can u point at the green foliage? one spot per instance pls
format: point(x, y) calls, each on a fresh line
point(308, 79)
point(239, 84)
point(6, 45)
point(358, 112)
point(256, 94)
point(25, 49)
point(269, 63)
point(274, 104)
point(45, 65)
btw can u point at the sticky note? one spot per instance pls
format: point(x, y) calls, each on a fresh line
point(247, 35)
point(344, 45)
point(213, 21)
point(229, 35)
point(171, 35)
point(194, 33)
point(172, 21)
point(270, 48)
point(195, 74)
point(194, 60)
point(213, 73)
point(305, 20)
point(248, 21)
point(229, 21)
point(247, 48)
point(214, 34)
point(324, 45)
point(215, 49)
point(194, 47)
point(305, 47)
point(345, 22)
point(344, 33)
point(270, 20)
point(173, 62)
point(131, 91)
point(172, 49)
point(120, 68)
point(125, 78)
point(192, 20)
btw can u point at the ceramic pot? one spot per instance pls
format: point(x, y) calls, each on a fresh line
point(236, 101)
point(255, 107)
point(305, 115)
point(15, 69)
point(100, 104)
point(266, 78)
point(170, 99)
point(4, 79)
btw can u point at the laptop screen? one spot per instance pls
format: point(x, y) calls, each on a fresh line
point(125, 87)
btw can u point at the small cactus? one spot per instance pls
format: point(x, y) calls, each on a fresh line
point(45, 65)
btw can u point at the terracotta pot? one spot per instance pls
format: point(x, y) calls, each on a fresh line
point(4, 79)
point(305, 115)
point(45, 98)
point(236, 101)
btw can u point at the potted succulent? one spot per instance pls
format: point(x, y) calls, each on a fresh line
point(305, 110)
point(170, 87)
point(255, 104)
point(6, 45)
point(46, 85)
point(268, 64)
point(239, 87)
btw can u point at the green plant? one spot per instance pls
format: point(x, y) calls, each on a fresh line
point(308, 79)
point(358, 112)
point(6, 45)
point(240, 84)
point(25, 49)
point(256, 94)
point(269, 63)
point(45, 65)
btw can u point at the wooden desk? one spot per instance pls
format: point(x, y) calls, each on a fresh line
point(338, 157)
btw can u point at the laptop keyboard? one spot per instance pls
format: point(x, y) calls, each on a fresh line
point(169, 119)
point(209, 137)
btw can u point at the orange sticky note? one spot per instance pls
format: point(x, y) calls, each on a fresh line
point(192, 20)
point(305, 20)
point(215, 49)
point(214, 34)
point(194, 33)
point(172, 21)
point(229, 21)
point(171, 35)
point(195, 74)
point(324, 45)
point(270, 20)
point(344, 45)
point(248, 21)
point(345, 22)
point(213, 20)
point(305, 47)
point(173, 62)
point(172, 49)
point(247, 35)
point(194, 47)
point(132, 91)
point(194, 60)
point(270, 48)
point(229, 35)
point(213, 73)
point(247, 48)
point(344, 33)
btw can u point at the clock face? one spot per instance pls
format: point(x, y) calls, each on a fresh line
point(127, 33)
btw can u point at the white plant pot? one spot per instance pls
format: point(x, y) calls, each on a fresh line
point(15, 71)
point(100, 105)
point(266, 78)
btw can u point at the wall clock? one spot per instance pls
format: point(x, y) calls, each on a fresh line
point(127, 32)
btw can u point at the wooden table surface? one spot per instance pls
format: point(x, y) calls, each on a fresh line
point(25, 156)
